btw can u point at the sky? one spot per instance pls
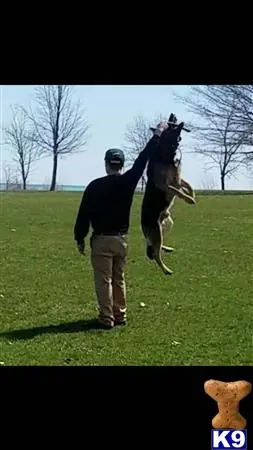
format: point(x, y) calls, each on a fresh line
point(109, 109)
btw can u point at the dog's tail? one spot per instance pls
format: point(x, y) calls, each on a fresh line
point(150, 252)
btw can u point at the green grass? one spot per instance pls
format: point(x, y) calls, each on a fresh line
point(201, 315)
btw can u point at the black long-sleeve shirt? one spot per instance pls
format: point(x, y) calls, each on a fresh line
point(107, 201)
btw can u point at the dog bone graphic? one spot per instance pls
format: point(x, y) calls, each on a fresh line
point(228, 397)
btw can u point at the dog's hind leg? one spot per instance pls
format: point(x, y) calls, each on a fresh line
point(149, 248)
point(158, 259)
point(150, 251)
point(166, 221)
point(157, 246)
point(154, 237)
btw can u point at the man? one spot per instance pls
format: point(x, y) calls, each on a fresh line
point(106, 205)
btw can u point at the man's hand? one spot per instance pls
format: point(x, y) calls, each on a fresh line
point(81, 247)
point(159, 128)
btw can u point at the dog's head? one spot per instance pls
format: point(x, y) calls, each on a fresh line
point(164, 160)
point(169, 142)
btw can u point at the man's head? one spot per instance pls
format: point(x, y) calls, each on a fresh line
point(114, 161)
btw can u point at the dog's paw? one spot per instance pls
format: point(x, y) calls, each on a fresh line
point(168, 272)
point(191, 201)
point(167, 249)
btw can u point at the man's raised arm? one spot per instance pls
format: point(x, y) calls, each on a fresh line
point(136, 172)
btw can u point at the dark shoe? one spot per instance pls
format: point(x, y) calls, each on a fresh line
point(98, 325)
point(105, 326)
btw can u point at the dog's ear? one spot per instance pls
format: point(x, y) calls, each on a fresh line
point(172, 121)
point(172, 118)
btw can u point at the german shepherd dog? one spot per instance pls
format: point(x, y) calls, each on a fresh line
point(164, 183)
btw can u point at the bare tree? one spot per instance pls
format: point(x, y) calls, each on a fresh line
point(136, 137)
point(208, 184)
point(7, 175)
point(20, 138)
point(221, 146)
point(10, 177)
point(215, 102)
point(243, 95)
point(60, 125)
point(222, 133)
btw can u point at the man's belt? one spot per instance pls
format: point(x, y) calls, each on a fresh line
point(109, 233)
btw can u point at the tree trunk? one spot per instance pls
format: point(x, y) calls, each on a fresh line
point(54, 174)
point(23, 178)
point(222, 179)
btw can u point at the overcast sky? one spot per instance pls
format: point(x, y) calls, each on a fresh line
point(109, 109)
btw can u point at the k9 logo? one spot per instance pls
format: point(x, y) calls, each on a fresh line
point(227, 439)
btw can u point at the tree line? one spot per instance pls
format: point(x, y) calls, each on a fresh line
point(56, 126)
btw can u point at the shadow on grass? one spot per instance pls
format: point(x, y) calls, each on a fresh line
point(68, 327)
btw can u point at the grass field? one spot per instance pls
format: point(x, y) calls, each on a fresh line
point(201, 315)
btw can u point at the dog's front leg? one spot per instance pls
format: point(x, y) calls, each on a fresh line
point(188, 187)
point(187, 198)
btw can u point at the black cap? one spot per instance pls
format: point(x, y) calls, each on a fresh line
point(115, 156)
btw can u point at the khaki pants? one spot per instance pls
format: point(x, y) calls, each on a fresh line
point(108, 258)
